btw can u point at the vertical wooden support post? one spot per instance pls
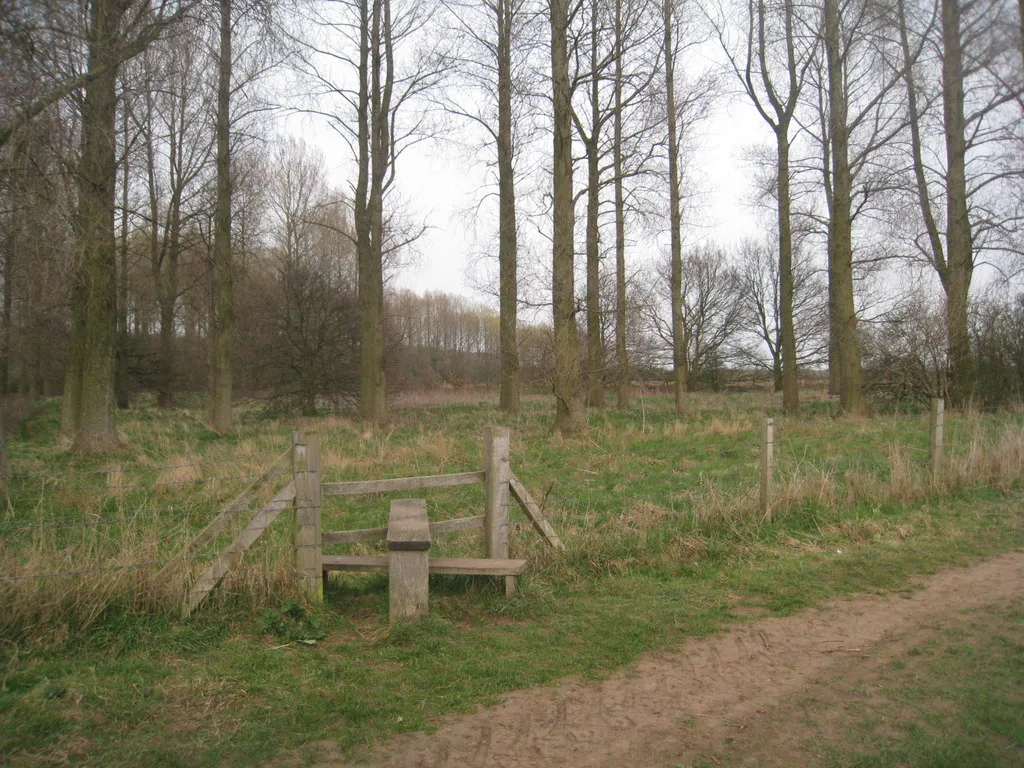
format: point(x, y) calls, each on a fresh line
point(408, 560)
point(935, 438)
point(499, 471)
point(767, 459)
point(308, 532)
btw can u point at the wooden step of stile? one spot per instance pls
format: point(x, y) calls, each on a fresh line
point(467, 566)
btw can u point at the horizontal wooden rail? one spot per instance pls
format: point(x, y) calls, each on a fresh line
point(467, 566)
point(379, 534)
point(360, 487)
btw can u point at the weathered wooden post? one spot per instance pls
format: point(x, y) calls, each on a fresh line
point(308, 532)
point(498, 468)
point(935, 438)
point(408, 560)
point(767, 457)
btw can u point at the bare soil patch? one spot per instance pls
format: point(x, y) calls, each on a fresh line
point(731, 699)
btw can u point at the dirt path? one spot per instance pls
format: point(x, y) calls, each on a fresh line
point(673, 707)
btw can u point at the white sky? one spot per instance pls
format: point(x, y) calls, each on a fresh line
point(441, 185)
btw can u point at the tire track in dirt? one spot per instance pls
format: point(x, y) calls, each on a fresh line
point(688, 701)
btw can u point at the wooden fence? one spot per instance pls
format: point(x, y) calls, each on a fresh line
point(767, 454)
point(304, 495)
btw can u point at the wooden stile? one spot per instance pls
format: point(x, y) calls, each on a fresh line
point(409, 532)
point(408, 560)
point(461, 566)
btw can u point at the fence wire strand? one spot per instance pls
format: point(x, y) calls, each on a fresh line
point(141, 468)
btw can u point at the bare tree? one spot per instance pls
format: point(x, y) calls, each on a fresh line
point(116, 31)
point(679, 340)
point(569, 417)
point(622, 377)
point(312, 347)
point(496, 44)
point(390, 79)
point(637, 62)
point(758, 276)
point(607, 95)
point(89, 390)
point(178, 147)
point(963, 198)
point(141, 24)
point(591, 53)
point(711, 312)
point(221, 376)
point(772, 64)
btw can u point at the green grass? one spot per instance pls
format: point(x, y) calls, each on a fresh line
point(663, 543)
point(957, 700)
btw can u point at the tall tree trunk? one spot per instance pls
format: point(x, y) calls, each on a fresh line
point(89, 393)
point(221, 379)
point(167, 292)
point(679, 342)
point(507, 235)
point(959, 239)
point(121, 364)
point(568, 400)
point(833, 326)
point(938, 251)
point(373, 387)
point(621, 352)
point(165, 266)
point(361, 215)
point(8, 316)
point(595, 344)
point(851, 395)
point(787, 377)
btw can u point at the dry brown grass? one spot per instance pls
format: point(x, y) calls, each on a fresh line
point(640, 515)
point(985, 463)
point(732, 424)
point(58, 583)
point(118, 544)
point(63, 578)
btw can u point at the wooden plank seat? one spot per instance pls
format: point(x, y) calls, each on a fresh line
point(468, 566)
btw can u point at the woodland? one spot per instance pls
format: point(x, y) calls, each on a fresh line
point(163, 229)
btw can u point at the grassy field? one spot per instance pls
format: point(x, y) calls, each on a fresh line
point(663, 541)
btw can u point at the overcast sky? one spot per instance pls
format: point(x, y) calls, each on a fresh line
point(443, 188)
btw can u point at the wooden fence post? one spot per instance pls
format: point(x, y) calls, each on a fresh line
point(935, 438)
point(767, 456)
point(498, 468)
point(308, 533)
